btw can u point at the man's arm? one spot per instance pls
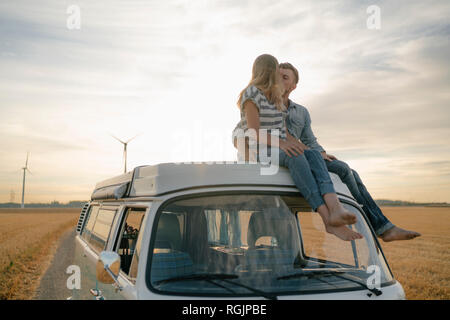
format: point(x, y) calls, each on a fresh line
point(308, 136)
point(311, 140)
point(325, 156)
point(292, 139)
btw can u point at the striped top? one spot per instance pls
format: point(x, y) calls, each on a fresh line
point(269, 116)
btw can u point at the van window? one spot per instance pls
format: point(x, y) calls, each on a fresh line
point(320, 245)
point(130, 241)
point(239, 244)
point(101, 229)
point(238, 235)
point(92, 215)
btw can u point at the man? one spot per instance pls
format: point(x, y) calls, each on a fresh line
point(298, 124)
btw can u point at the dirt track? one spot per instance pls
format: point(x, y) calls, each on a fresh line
point(53, 282)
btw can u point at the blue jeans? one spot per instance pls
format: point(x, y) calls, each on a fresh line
point(354, 183)
point(310, 175)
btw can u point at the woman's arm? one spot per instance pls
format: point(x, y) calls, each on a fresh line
point(252, 115)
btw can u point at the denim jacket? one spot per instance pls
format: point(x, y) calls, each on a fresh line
point(298, 124)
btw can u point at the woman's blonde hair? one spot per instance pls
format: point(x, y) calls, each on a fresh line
point(265, 77)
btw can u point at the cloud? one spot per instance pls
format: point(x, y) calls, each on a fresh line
point(378, 99)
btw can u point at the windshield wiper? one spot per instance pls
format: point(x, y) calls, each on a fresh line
point(335, 273)
point(258, 292)
point(310, 274)
point(218, 276)
point(357, 280)
point(201, 276)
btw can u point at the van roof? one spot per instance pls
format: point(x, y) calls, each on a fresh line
point(159, 179)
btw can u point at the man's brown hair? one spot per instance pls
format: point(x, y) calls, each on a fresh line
point(287, 65)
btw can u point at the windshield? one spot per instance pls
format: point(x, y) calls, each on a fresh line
point(255, 244)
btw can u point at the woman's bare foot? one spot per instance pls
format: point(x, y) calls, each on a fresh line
point(396, 233)
point(344, 233)
point(340, 216)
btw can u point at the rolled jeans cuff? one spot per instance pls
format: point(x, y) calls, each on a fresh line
point(315, 200)
point(388, 225)
point(326, 187)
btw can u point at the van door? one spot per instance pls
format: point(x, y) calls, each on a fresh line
point(126, 241)
point(93, 240)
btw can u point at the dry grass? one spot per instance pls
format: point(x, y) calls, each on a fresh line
point(421, 265)
point(28, 238)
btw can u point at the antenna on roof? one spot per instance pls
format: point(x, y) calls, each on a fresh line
point(25, 169)
point(125, 143)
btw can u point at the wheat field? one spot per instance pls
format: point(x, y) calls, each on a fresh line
point(29, 238)
point(421, 265)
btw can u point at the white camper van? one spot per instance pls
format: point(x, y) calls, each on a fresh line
point(221, 231)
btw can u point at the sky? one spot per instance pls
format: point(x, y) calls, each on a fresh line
point(73, 73)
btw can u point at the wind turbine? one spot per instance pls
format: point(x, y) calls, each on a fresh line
point(125, 143)
point(23, 183)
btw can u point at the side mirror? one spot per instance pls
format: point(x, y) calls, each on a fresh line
point(108, 266)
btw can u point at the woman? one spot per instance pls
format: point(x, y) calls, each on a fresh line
point(262, 107)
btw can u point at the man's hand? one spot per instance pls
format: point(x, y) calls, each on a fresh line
point(292, 148)
point(296, 144)
point(328, 157)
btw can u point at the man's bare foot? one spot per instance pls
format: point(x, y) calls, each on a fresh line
point(340, 217)
point(344, 233)
point(396, 233)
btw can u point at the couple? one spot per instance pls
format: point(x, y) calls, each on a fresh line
point(265, 104)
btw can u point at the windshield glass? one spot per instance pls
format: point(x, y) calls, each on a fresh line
point(254, 244)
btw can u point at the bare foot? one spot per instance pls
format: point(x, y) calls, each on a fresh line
point(396, 233)
point(340, 217)
point(344, 233)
